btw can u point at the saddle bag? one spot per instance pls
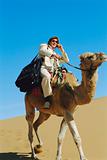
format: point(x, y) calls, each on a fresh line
point(30, 76)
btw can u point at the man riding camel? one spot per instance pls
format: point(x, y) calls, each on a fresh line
point(51, 61)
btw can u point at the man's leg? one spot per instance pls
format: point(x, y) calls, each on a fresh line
point(46, 86)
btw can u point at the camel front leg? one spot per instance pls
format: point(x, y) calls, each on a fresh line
point(61, 136)
point(73, 129)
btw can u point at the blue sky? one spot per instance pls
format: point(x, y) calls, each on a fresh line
point(81, 26)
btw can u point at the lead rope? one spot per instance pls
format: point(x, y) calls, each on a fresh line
point(79, 68)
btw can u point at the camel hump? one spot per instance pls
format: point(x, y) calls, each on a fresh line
point(71, 79)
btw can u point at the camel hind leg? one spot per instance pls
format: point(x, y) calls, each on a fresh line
point(30, 114)
point(42, 117)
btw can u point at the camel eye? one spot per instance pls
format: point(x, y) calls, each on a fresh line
point(101, 58)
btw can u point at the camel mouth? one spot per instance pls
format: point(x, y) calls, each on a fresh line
point(105, 58)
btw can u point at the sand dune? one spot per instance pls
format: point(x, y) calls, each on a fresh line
point(92, 124)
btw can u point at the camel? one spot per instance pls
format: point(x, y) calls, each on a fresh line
point(66, 100)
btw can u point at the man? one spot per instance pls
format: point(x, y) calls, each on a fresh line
point(50, 63)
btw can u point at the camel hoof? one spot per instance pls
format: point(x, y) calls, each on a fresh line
point(38, 149)
point(35, 158)
point(59, 158)
point(84, 159)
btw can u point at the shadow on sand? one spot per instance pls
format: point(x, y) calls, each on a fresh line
point(14, 156)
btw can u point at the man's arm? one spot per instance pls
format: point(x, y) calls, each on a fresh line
point(44, 51)
point(64, 57)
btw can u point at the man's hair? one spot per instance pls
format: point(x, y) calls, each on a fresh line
point(54, 37)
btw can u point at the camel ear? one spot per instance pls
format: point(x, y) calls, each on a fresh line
point(81, 57)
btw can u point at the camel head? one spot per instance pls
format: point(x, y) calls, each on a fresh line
point(92, 60)
point(89, 64)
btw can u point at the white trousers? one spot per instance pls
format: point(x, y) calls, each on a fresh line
point(46, 78)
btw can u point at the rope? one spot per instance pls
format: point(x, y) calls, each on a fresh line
point(79, 68)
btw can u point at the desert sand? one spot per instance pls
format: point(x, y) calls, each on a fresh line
point(91, 121)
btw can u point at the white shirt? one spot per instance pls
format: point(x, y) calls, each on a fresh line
point(50, 63)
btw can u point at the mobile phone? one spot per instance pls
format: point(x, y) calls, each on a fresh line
point(58, 45)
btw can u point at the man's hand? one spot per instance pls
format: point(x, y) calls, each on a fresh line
point(60, 47)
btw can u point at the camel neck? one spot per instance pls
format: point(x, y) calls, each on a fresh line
point(86, 90)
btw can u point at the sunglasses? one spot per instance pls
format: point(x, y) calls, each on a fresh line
point(54, 41)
